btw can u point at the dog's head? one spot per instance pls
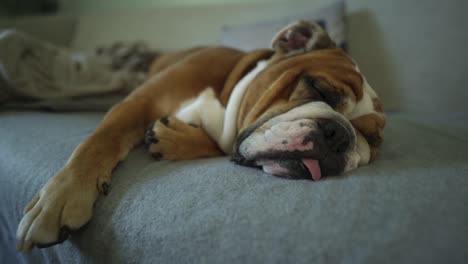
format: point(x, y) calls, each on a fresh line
point(310, 113)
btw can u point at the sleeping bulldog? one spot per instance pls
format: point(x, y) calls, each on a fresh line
point(300, 110)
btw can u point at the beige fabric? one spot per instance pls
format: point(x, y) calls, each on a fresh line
point(32, 69)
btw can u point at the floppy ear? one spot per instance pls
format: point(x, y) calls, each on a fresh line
point(300, 37)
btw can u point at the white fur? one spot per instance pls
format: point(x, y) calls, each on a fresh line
point(226, 140)
point(360, 155)
point(273, 134)
point(292, 119)
point(365, 105)
point(205, 111)
point(220, 123)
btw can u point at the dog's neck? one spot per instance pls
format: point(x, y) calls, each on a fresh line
point(246, 64)
point(230, 128)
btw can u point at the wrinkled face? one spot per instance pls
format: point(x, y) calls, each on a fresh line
point(318, 118)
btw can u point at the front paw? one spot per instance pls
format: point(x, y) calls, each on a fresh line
point(151, 139)
point(162, 137)
point(64, 204)
point(171, 139)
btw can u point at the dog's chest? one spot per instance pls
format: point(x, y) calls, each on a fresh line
point(219, 122)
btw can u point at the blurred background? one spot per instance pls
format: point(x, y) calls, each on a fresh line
point(408, 207)
point(412, 52)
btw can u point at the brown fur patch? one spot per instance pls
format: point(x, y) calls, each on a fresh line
point(374, 153)
point(245, 65)
point(331, 66)
point(377, 105)
point(371, 127)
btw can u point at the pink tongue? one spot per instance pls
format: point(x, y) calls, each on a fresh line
point(314, 168)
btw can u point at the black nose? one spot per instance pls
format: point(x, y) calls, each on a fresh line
point(335, 135)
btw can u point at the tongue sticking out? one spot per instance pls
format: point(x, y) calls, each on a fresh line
point(314, 168)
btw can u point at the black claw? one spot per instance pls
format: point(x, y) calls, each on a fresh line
point(150, 127)
point(64, 233)
point(149, 133)
point(105, 188)
point(150, 137)
point(157, 156)
point(165, 120)
point(151, 140)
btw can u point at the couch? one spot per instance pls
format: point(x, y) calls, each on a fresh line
point(409, 206)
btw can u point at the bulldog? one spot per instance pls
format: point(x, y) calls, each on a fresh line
point(299, 110)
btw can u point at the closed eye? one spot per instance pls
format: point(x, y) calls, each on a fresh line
point(313, 89)
point(321, 91)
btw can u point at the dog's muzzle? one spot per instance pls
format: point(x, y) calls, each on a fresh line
point(298, 146)
point(301, 149)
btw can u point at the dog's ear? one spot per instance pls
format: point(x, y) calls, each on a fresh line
point(300, 37)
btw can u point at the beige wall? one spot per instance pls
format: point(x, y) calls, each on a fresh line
point(80, 7)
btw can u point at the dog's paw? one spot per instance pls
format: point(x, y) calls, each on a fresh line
point(171, 139)
point(64, 204)
point(301, 36)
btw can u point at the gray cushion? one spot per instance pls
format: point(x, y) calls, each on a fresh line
point(410, 206)
point(258, 35)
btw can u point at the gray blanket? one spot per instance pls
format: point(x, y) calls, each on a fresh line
point(410, 206)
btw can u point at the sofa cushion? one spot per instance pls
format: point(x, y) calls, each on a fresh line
point(407, 207)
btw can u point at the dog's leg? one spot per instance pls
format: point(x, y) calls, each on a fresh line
point(66, 201)
point(300, 37)
point(193, 131)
